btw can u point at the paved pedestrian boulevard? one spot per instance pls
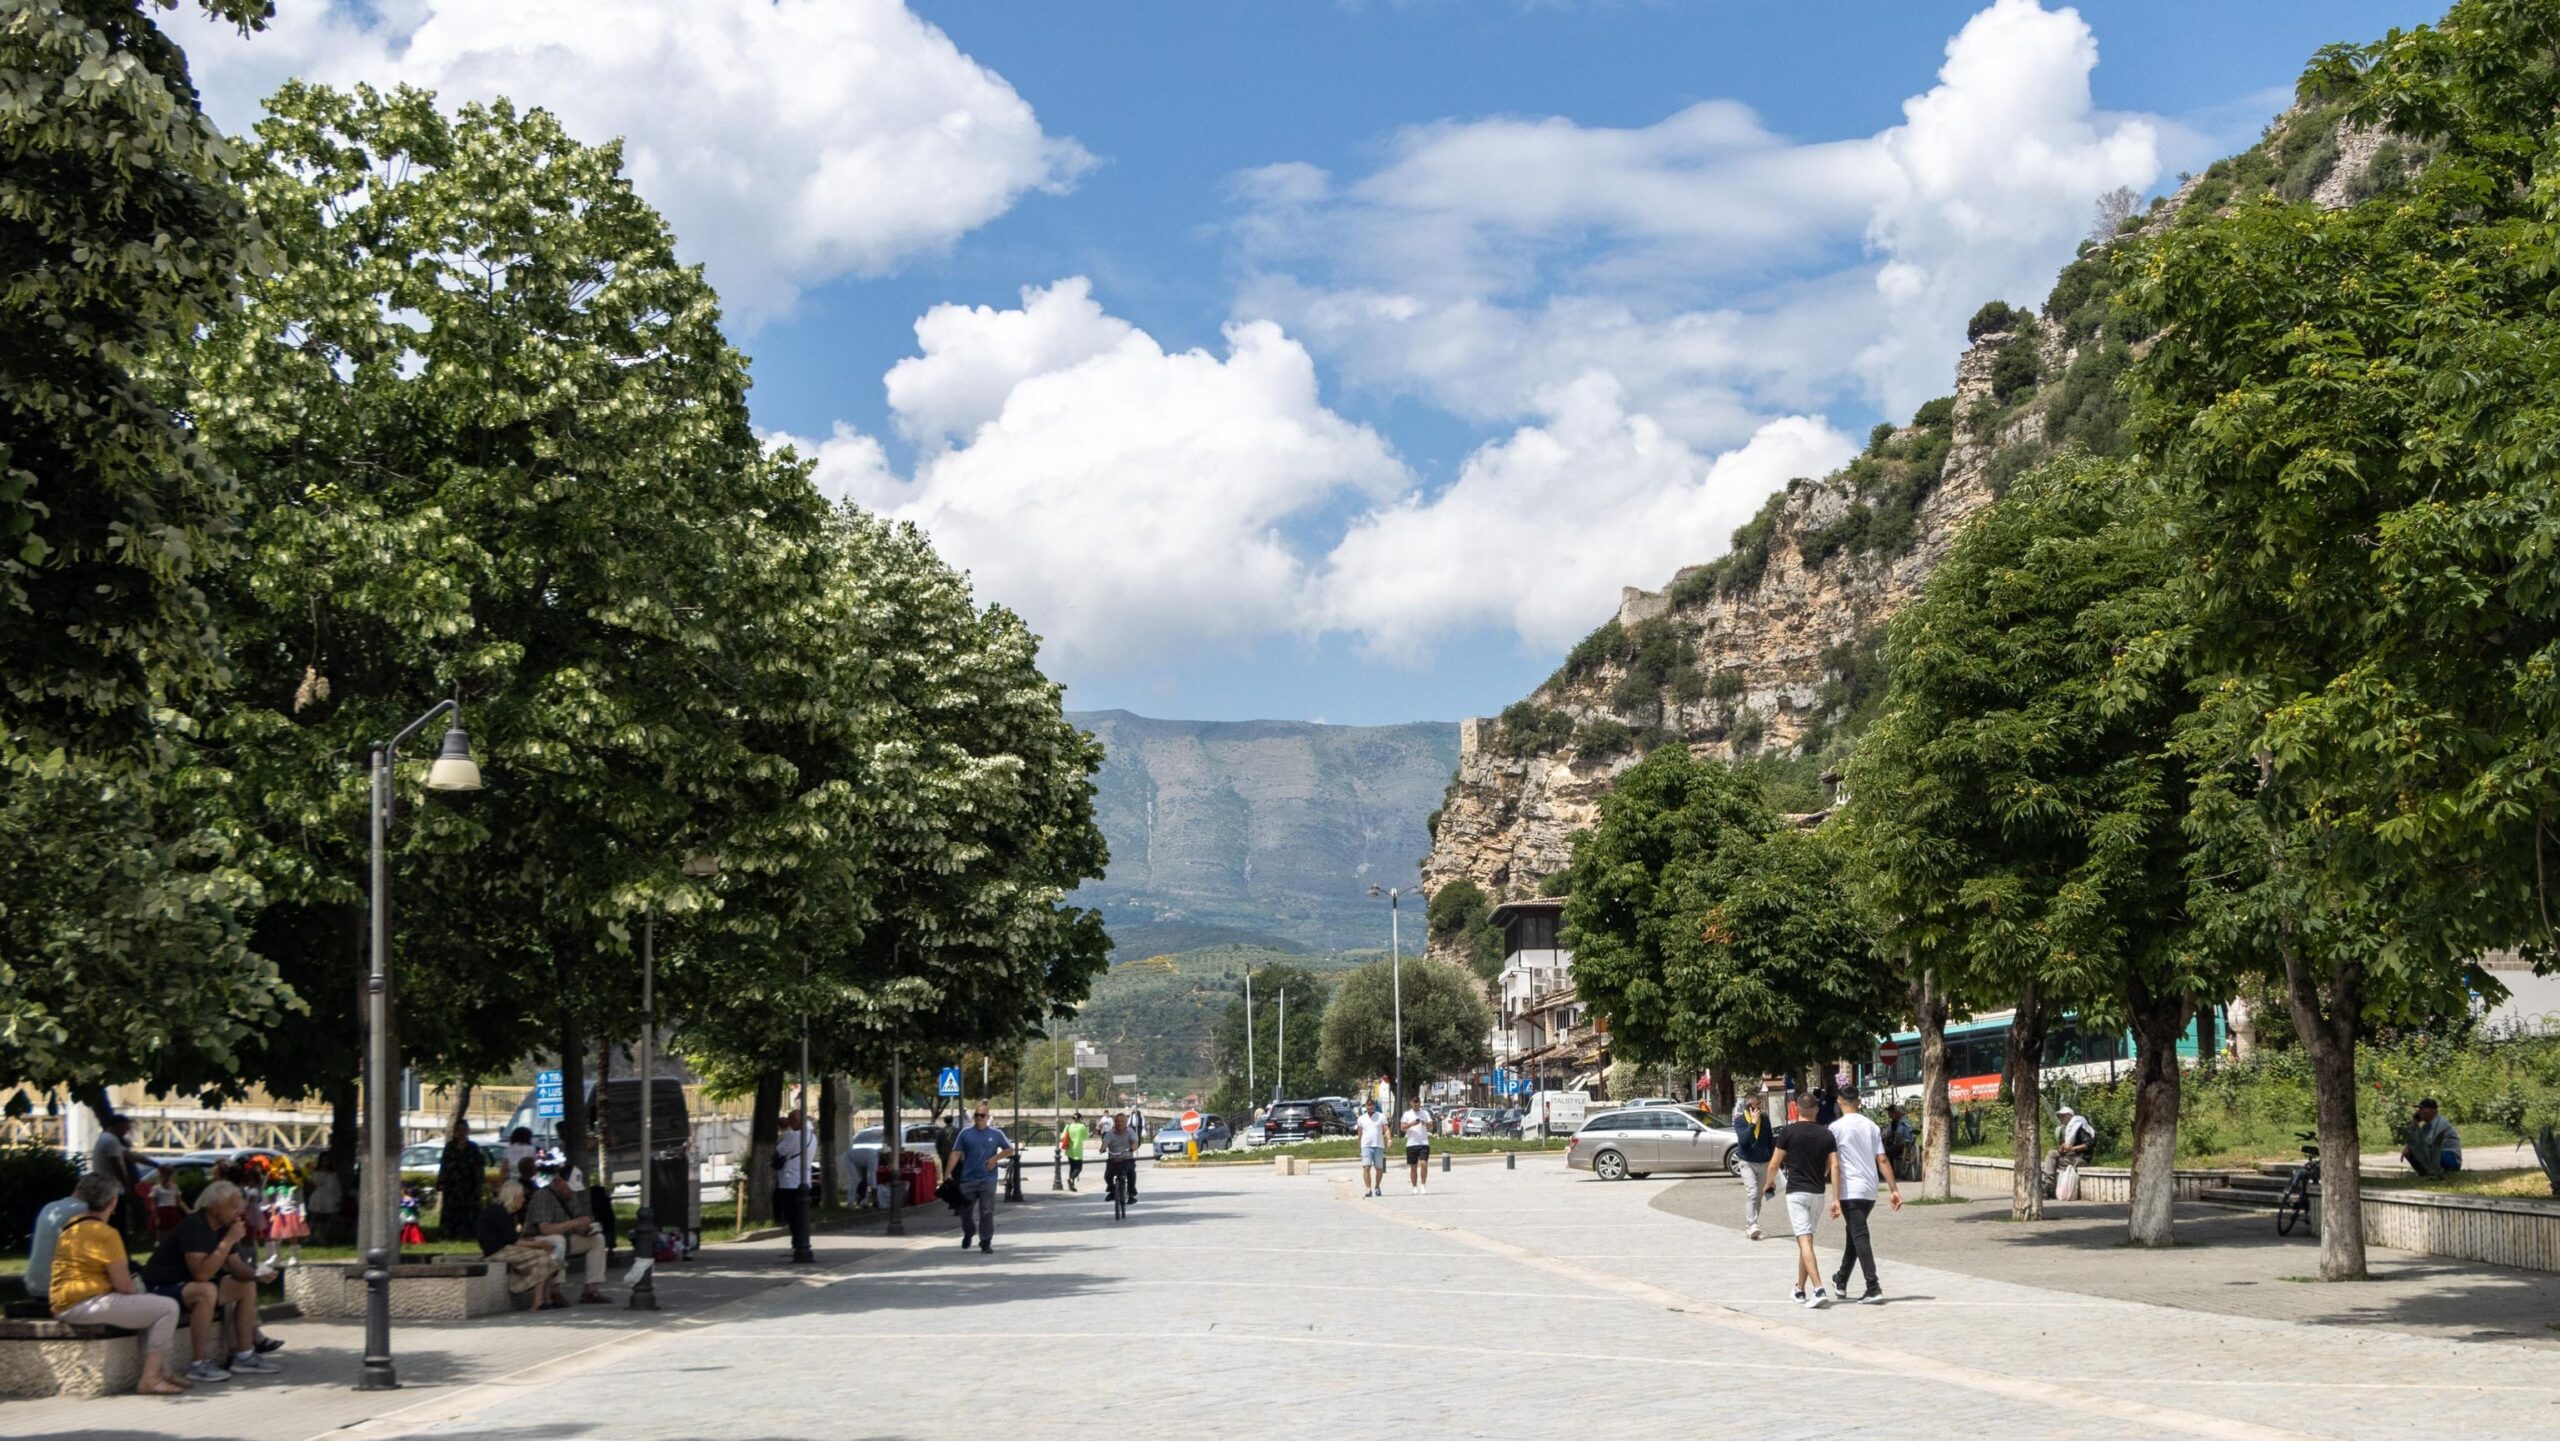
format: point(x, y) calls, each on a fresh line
point(1237, 1303)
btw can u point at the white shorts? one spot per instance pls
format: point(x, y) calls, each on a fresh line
point(1804, 1211)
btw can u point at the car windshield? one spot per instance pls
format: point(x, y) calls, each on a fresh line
point(421, 1156)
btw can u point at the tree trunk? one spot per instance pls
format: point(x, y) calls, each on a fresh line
point(573, 1095)
point(2244, 1031)
point(2327, 1026)
point(345, 1121)
point(2208, 1045)
point(462, 1090)
point(763, 1129)
point(831, 1135)
point(603, 1174)
point(1721, 1089)
point(1937, 1114)
point(2026, 1100)
point(2158, 1019)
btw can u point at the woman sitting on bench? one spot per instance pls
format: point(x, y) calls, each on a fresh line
point(92, 1285)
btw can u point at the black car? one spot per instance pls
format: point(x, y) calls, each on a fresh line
point(1304, 1121)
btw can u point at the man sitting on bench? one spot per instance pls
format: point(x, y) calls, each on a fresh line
point(2434, 1146)
point(200, 1267)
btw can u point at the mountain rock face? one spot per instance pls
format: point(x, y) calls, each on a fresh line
point(1770, 658)
point(1266, 831)
point(1765, 656)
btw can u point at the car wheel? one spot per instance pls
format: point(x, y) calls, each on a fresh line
point(1609, 1166)
point(1733, 1163)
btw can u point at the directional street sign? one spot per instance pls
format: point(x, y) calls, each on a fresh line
point(1128, 1080)
point(550, 1100)
point(950, 1083)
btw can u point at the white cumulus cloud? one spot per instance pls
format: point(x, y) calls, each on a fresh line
point(1127, 499)
point(1721, 273)
point(788, 141)
point(1541, 529)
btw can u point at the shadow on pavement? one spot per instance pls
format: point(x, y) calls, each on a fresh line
point(2228, 1262)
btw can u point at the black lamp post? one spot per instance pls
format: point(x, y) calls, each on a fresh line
point(454, 770)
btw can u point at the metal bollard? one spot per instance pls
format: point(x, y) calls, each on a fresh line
point(1511, 1160)
point(1444, 1163)
point(1057, 1170)
point(1013, 1177)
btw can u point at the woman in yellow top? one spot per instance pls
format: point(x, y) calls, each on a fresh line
point(92, 1285)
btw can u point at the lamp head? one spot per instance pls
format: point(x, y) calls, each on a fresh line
point(454, 769)
point(1374, 892)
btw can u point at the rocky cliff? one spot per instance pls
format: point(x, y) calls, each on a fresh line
point(1770, 657)
point(1258, 832)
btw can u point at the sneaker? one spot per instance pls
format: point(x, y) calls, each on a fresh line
point(1873, 1293)
point(206, 1371)
point(269, 1345)
point(1819, 1299)
point(254, 1364)
point(1752, 1234)
point(1424, 1191)
point(987, 1248)
point(968, 1241)
point(1796, 1295)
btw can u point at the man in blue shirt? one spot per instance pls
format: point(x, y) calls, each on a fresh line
point(975, 1154)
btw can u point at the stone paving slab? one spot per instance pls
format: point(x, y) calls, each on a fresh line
point(2228, 1262)
point(1505, 1303)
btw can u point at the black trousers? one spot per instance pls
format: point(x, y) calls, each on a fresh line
point(1862, 1249)
point(794, 1205)
point(1075, 1169)
point(1126, 1168)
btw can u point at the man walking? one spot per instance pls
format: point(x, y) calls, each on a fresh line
point(975, 1155)
point(1752, 1144)
point(1072, 1142)
point(1809, 1161)
point(791, 1153)
point(1373, 1151)
point(1417, 1149)
point(1862, 1163)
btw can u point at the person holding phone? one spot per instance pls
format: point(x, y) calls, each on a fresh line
point(200, 1266)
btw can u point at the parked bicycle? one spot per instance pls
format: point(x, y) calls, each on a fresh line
point(2295, 1203)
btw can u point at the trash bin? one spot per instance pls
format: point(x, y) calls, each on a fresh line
point(917, 1178)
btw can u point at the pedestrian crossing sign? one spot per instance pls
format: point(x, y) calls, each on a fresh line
point(950, 1081)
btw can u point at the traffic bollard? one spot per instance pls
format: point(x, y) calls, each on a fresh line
point(1511, 1160)
point(1444, 1163)
point(1057, 1170)
point(1013, 1177)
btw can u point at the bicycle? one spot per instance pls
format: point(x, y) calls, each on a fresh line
point(1118, 1184)
point(2295, 1202)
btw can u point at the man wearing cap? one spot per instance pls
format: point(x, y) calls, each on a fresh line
point(2074, 1138)
point(975, 1155)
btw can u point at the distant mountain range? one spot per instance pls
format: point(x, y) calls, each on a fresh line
point(1261, 833)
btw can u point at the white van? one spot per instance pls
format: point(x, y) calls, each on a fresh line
point(1553, 1113)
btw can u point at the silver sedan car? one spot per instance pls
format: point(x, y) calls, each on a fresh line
point(1616, 1145)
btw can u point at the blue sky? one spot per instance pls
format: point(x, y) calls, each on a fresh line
point(1340, 361)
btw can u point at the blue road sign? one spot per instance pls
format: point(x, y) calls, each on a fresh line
point(549, 1101)
point(950, 1085)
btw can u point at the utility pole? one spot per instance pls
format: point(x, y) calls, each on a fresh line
point(1248, 1036)
point(1282, 1085)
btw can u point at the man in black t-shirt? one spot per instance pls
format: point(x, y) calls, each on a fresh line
point(1808, 1160)
point(200, 1267)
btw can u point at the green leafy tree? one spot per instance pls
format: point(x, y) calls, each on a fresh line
point(1460, 923)
point(121, 231)
point(2352, 411)
point(1302, 1066)
point(1707, 937)
point(2016, 814)
point(1446, 1023)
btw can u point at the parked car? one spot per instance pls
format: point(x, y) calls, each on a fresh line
point(1305, 1121)
point(1171, 1139)
point(919, 1141)
point(423, 1163)
point(1554, 1113)
point(1638, 1141)
point(1642, 1101)
point(1251, 1136)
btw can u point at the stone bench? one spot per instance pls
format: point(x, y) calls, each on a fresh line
point(420, 1290)
point(57, 1358)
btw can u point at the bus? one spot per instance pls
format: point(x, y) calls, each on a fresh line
point(1978, 1054)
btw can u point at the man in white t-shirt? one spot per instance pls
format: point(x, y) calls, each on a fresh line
point(1373, 1151)
point(1864, 1165)
point(1417, 1150)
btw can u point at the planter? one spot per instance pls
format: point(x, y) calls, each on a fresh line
point(420, 1291)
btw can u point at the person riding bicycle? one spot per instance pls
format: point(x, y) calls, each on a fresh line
point(1120, 1156)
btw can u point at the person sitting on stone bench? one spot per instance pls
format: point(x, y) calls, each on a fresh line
point(530, 1264)
point(559, 1211)
point(91, 1283)
point(200, 1267)
point(2433, 1146)
point(2074, 1141)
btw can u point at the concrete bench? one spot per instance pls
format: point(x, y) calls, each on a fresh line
point(58, 1358)
point(420, 1290)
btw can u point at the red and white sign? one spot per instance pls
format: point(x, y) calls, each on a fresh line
point(1887, 1054)
point(1191, 1122)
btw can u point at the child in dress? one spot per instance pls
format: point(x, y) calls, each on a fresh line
point(410, 1233)
point(287, 1225)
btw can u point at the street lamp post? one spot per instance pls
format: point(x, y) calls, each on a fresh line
point(454, 770)
point(1395, 964)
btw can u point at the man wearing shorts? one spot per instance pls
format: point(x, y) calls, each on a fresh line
point(1417, 1150)
point(1808, 1159)
point(1373, 1151)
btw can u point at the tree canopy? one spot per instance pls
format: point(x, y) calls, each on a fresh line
point(1446, 1021)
